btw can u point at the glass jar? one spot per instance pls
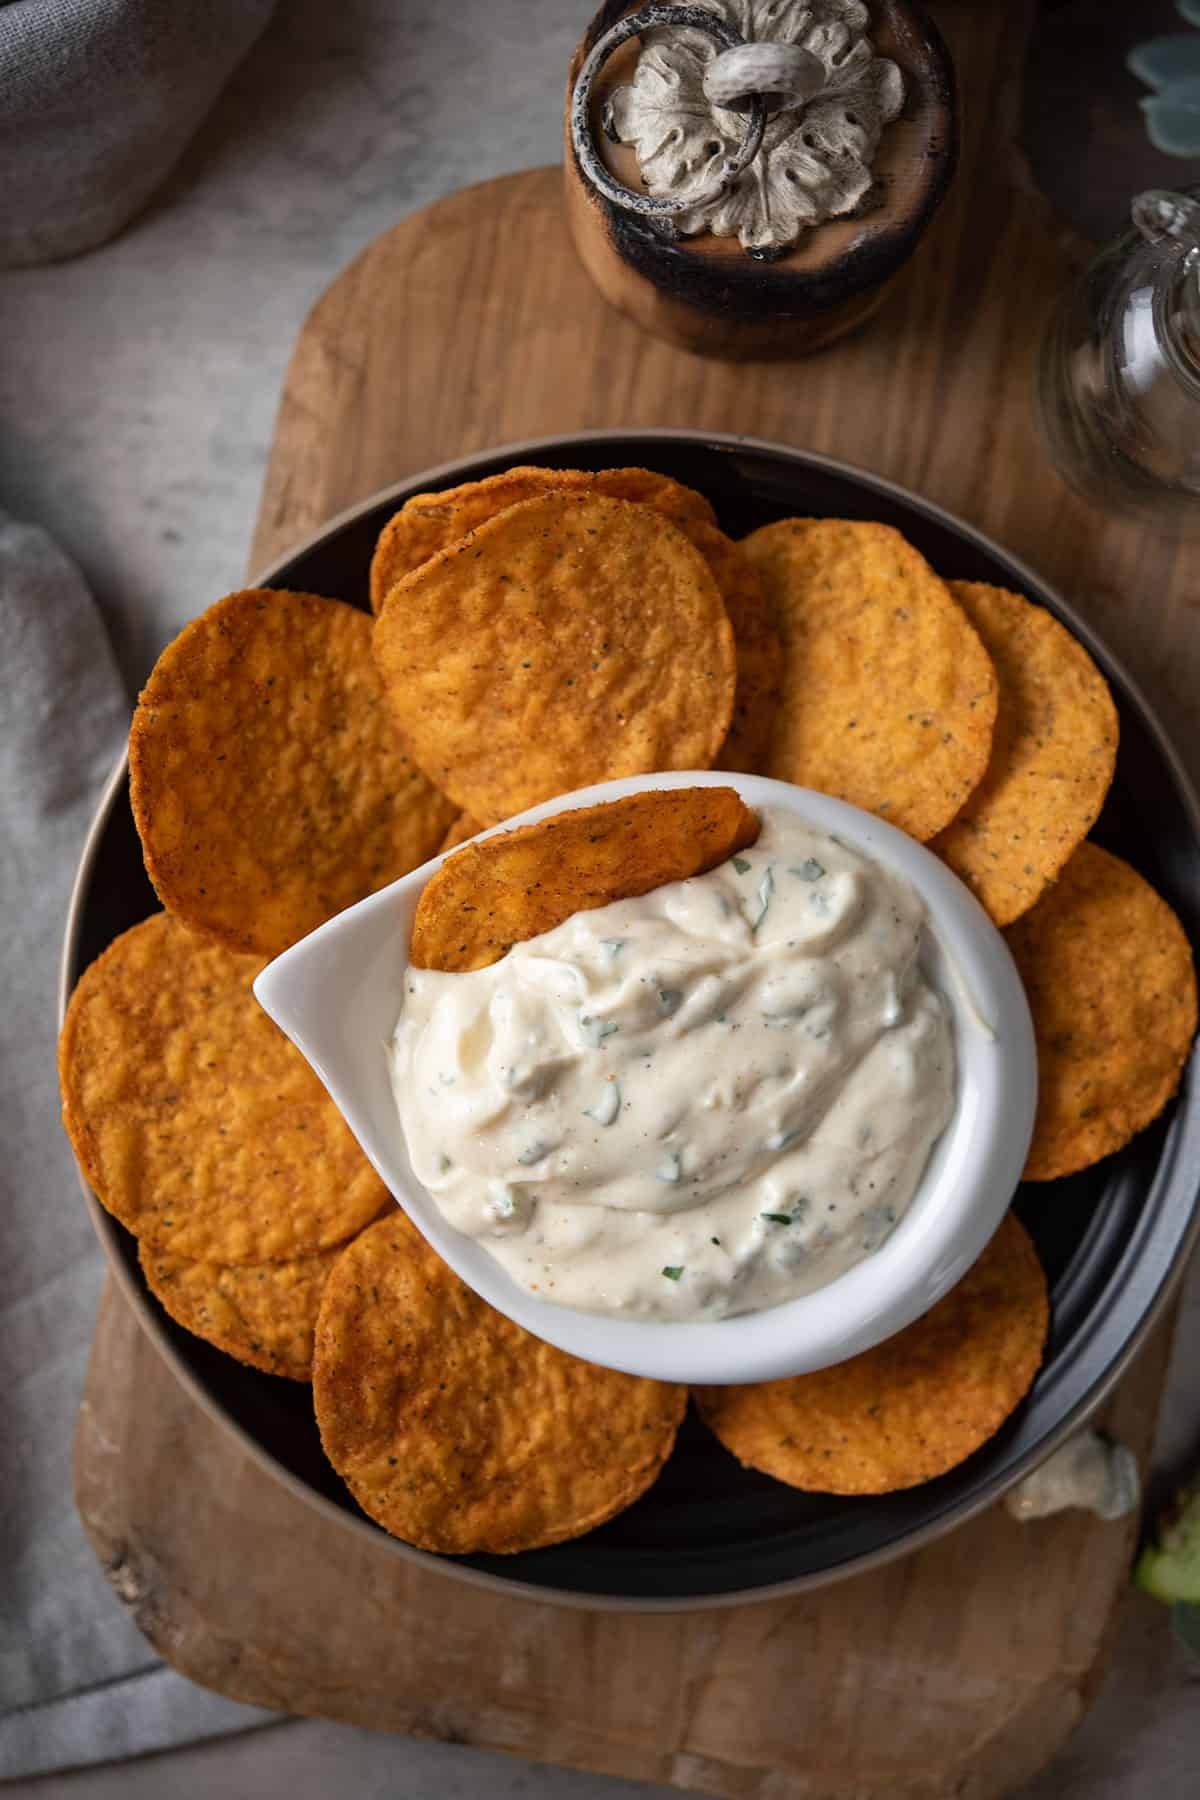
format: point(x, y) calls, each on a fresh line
point(1118, 387)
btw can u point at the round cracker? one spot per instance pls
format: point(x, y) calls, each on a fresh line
point(889, 698)
point(269, 785)
point(457, 1430)
point(431, 522)
point(571, 639)
point(264, 1314)
point(1053, 754)
point(756, 641)
point(915, 1406)
point(1112, 988)
point(517, 884)
point(196, 1122)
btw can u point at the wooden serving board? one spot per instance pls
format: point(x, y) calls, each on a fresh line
point(963, 1668)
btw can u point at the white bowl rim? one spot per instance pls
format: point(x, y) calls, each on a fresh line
point(1093, 1385)
point(960, 1201)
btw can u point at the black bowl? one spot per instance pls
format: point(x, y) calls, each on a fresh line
point(1113, 1240)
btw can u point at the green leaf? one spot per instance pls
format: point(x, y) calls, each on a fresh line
point(741, 865)
point(673, 1271)
point(1169, 1568)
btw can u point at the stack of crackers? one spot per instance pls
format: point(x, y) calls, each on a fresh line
point(535, 633)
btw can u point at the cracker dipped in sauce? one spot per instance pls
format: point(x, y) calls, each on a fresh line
point(518, 883)
point(656, 1081)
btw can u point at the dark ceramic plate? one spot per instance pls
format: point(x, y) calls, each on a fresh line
point(1113, 1240)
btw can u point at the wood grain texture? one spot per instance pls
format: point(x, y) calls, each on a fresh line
point(961, 1669)
point(958, 1671)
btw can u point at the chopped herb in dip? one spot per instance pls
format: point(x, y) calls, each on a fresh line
point(766, 889)
point(607, 1106)
point(596, 1030)
point(670, 1168)
point(615, 1110)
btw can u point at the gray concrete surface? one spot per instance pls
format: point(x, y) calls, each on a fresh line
point(1141, 1741)
point(137, 394)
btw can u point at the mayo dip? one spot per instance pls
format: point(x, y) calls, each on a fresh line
point(705, 1101)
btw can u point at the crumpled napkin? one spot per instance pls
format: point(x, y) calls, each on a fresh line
point(78, 1683)
point(98, 99)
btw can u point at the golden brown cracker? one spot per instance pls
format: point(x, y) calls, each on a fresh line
point(913, 1407)
point(264, 1314)
point(431, 522)
point(269, 785)
point(458, 1431)
point(517, 884)
point(756, 641)
point(646, 487)
point(889, 698)
point(464, 827)
point(198, 1125)
point(1112, 988)
point(569, 640)
point(1053, 754)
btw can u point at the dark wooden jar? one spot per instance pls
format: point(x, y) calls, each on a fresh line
point(707, 293)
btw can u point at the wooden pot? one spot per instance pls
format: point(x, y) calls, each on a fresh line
point(706, 293)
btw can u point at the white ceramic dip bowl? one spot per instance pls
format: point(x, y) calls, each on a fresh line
point(338, 993)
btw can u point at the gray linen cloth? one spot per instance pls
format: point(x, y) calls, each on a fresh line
point(98, 99)
point(78, 1683)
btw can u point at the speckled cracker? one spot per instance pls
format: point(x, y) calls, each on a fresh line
point(913, 1407)
point(517, 884)
point(269, 785)
point(1053, 755)
point(431, 522)
point(264, 1314)
point(198, 1125)
point(1112, 988)
point(457, 1430)
point(759, 653)
point(889, 698)
point(570, 640)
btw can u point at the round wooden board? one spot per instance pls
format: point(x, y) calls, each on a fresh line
point(962, 1669)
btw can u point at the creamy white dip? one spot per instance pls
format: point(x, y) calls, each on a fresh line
point(701, 1102)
